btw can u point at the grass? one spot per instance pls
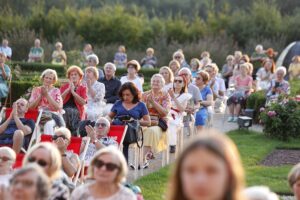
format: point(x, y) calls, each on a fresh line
point(253, 148)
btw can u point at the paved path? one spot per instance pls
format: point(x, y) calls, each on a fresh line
point(218, 123)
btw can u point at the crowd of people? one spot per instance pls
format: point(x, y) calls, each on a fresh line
point(93, 99)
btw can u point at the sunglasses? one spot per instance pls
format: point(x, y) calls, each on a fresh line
point(4, 158)
point(198, 78)
point(24, 183)
point(177, 57)
point(41, 163)
point(177, 81)
point(101, 124)
point(55, 137)
point(108, 166)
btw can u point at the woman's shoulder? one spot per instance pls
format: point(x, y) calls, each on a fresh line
point(81, 192)
point(126, 193)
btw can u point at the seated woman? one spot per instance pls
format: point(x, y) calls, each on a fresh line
point(201, 117)
point(278, 85)
point(129, 105)
point(265, 74)
point(93, 61)
point(48, 98)
point(74, 95)
point(98, 138)
point(59, 56)
point(167, 73)
point(107, 181)
point(149, 61)
point(159, 104)
point(294, 68)
point(70, 160)
point(120, 58)
point(243, 86)
point(36, 53)
point(180, 97)
point(174, 65)
point(133, 67)
point(96, 93)
point(7, 160)
point(195, 66)
point(4, 75)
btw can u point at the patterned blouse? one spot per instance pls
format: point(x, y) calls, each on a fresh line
point(162, 97)
point(53, 92)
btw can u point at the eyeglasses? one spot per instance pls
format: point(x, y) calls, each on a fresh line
point(4, 159)
point(177, 57)
point(24, 183)
point(100, 124)
point(177, 81)
point(41, 163)
point(55, 137)
point(198, 78)
point(108, 166)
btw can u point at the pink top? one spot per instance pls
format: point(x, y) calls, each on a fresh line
point(54, 93)
point(239, 81)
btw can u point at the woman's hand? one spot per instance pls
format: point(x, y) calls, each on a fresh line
point(171, 93)
point(90, 132)
point(44, 91)
point(61, 145)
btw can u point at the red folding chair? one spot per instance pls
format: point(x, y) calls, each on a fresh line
point(19, 160)
point(118, 133)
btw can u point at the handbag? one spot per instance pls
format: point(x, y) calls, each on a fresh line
point(162, 124)
point(134, 133)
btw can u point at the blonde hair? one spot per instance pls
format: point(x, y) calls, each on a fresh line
point(122, 48)
point(66, 132)
point(58, 44)
point(150, 50)
point(55, 157)
point(171, 75)
point(10, 152)
point(49, 71)
point(172, 62)
point(76, 69)
point(180, 53)
point(94, 70)
point(135, 63)
point(118, 154)
point(294, 175)
point(230, 57)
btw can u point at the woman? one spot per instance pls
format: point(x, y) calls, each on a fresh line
point(227, 69)
point(74, 95)
point(108, 168)
point(98, 139)
point(93, 61)
point(120, 58)
point(180, 98)
point(243, 86)
point(278, 85)
point(158, 103)
point(294, 68)
point(202, 80)
point(209, 168)
point(47, 156)
point(174, 65)
point(195, 66)
point(294, 180)
point(96, 93)
point(167, 73)
point(59, 56)
point(29, 183)
point(133, 67)
point(7, 160)
point(4, 75)
point(129, 105)
point(149, 61)
point(265, 74)
point(48, 98)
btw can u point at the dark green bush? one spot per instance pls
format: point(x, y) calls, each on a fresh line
point(38, 67)
point(255, 101)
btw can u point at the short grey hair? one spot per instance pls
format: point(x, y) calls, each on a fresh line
point(162, 80)
point(110, 64)
point(43, 184)
point(185, 69)
point(260, 193)
point(281, 68)
point(10, 152)
point(93, 57)
point(66, 132)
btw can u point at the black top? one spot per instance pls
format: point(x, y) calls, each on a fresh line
point(70, 103)
point(112, 87)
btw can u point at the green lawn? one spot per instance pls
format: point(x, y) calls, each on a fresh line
point(253, 148)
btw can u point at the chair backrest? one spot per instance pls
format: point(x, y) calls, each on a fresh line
point(30, 114)
point(46, 138)
point(118, 133)
point(19, 160)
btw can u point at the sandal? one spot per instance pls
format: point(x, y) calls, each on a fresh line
point(150, 156)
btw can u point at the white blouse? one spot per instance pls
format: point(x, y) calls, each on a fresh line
point(137, 81)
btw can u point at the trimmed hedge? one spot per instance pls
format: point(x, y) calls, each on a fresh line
point(38, 67)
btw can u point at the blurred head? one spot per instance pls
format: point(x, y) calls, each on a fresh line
point(74, 74)
point(174, 65)
point(244, 59)
point(217, 175)
point(280, 72)
point(37, 42)
point(157, 82)
point(122, 49)
point(296, 59)
point(180, 83)
point(205, 54)
point(5, 42)
point(92, 60)
point(29, 183)
point(2, 57)
point(212, 69)
point(129, 93)
point(294, 180)
point(92, 73)
point(202, 78)
point(108, 166)
point(179, 56)
point(7, 159)
point(150, 52)
point(269, 65)
point(58, 45)
point(260, 193)
point(22, 106)
point(62, 134)
point(49, 77)
point(230, 59)
point(88, 48)
point(244, 69)
point(47, 156)
point(259, 48)
point(133, 66)
point(186, 73)
point(167, 73)
point(102, 127)
point(195, 64)
point(238, 55)
point(110, 69)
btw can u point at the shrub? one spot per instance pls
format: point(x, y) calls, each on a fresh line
point(255, 101)
point(282, 121)
point(39, 67)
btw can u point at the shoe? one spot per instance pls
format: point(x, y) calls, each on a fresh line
point(146, 164)
point(132, 166)
point(150, 156)
point(230, 119)
point(235, 119)
point(172, 149)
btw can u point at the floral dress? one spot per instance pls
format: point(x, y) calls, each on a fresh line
point(95, 105)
